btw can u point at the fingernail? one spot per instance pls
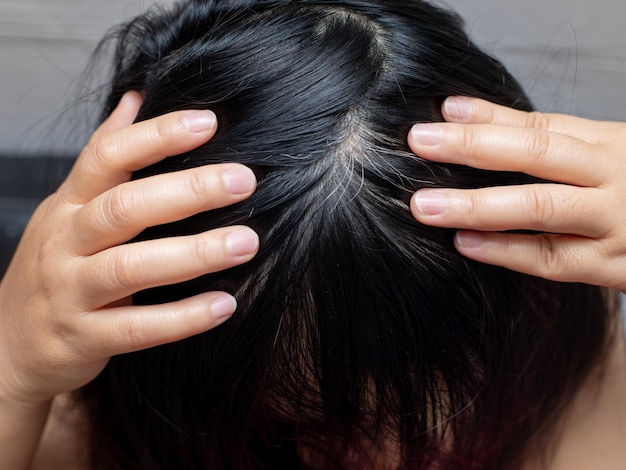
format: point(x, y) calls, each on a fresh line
point(427, 134)
point(239, 180)
point(199, 121)
point(458, 107)
point(431, 202)
point(224, 306)
point(242, 242)
point(470, 239)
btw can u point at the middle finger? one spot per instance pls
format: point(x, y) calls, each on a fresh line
point(121, 271)
point(550, 208)
point(123, 212)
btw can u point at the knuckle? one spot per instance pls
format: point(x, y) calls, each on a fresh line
point(136, 330)
point(473, 209)
point(99, 152)
point(204, 250)
point(538, 120)
point(467, 138)
point(118, 206)
point(124, 269)
point(198, 186)
point(487, 113)
point(65, 328)
point(538, 145)
point(163, 130)
point(552, 264)
point(541, 207)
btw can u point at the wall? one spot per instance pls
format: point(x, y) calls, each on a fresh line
point(569, 54)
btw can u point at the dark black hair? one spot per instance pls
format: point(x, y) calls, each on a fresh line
point(363, 339)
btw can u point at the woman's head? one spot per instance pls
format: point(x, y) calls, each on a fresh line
point(362, 336)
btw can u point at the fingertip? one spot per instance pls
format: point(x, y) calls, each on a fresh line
point(484, 247)
point(427, 203)
point(458, 109)
point(128, 108)
point(479, 246)
point(123, 115)
point(223, 307)
point(242, 243)
point(131, 98)
point(469, 240)
point(200, 121)
point(239, 180)
point(426, 134)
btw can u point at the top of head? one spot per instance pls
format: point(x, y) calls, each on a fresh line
point(354, 319)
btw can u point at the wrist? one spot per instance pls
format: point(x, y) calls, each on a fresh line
point(23, 405)
point(11, 397)
point(21, 426)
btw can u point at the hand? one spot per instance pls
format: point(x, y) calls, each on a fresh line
point(65, 304)
point(583, 213)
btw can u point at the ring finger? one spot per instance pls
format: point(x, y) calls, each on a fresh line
point(121, 271)
point(551, 208)
point(123, 212)
point(565, 258)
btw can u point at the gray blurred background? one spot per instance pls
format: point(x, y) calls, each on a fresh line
point(570, 55)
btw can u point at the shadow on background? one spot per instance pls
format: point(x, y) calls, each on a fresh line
point(24, 183)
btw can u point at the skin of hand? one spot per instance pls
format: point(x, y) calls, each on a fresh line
point(65, 304)
point(581, 212)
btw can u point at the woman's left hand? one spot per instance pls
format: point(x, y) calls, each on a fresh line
point(581, 216)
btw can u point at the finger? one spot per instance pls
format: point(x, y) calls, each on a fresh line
point(539, 153)
point(564, 258)
point(124, 211)
point(109, 332)
point(466, 110)
point(110, 158)
point(121, 271)
point(123, 115)
point(539, 207)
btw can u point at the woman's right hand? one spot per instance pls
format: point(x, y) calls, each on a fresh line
point(65, 304)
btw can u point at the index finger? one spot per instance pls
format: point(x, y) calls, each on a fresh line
point(464, 110)
point(119, 147)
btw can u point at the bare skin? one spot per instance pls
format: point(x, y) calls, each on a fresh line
point(592, 430)
point(585, 241)
point(582, 215)
point(583, 212)
point(65, 304)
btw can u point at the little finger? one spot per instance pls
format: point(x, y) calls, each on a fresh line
point(546, 207)
point(564, 258)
